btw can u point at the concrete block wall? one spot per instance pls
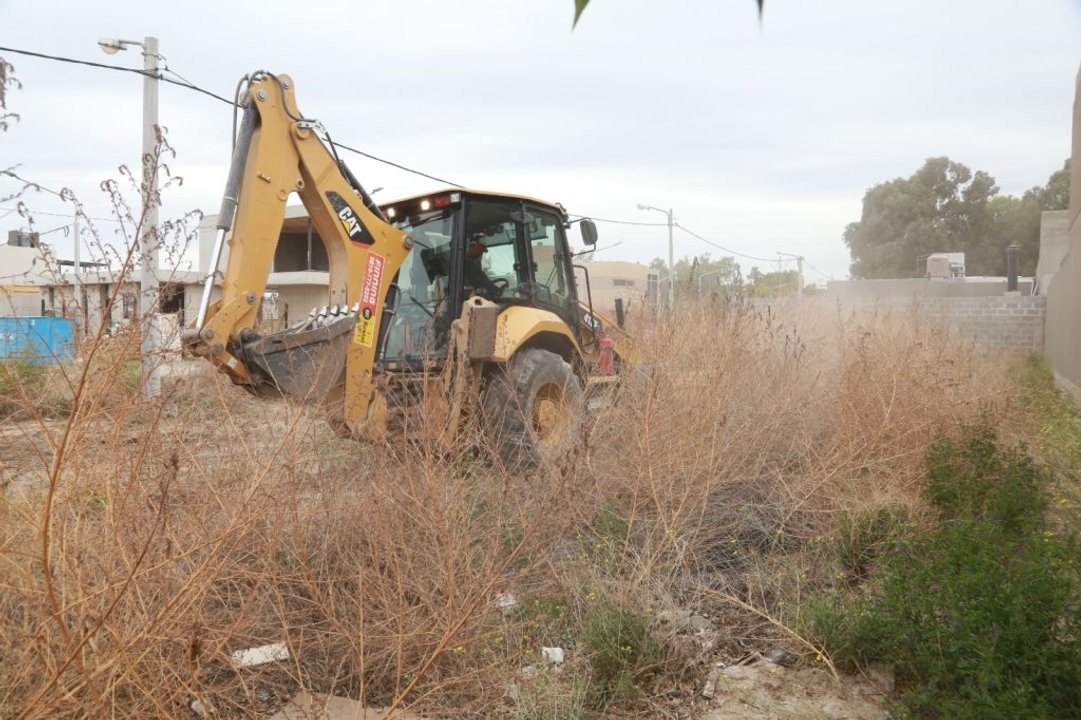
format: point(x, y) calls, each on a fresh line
point(1004, 322)
point(996, 322)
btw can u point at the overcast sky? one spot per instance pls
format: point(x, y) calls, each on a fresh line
point(762, 136)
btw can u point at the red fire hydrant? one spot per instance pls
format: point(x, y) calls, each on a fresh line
point(608, 360)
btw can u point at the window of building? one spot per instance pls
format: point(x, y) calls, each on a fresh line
point(301, 251)
point(623, 282)
point(653, 282)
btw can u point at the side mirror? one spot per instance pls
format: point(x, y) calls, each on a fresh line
point(589, 232)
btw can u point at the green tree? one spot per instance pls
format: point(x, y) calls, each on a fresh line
point(1056, 196)
point(772, 284)
point(702, 275)
point(1016, 221)
point(943, 207)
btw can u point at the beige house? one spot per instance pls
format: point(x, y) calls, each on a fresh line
point(637, 285)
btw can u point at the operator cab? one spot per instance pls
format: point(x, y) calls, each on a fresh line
point(508, 249)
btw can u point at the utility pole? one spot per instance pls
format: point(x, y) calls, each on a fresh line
point(671, 265)
point(78, 281)
point(671, 254)
point(151, 345)
point(799, 272)
point(148, 239)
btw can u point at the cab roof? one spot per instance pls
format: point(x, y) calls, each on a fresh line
point(484, 193)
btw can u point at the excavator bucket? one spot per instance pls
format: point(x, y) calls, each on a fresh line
point(302, 362)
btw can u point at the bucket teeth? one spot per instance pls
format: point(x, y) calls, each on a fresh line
point(323, 316)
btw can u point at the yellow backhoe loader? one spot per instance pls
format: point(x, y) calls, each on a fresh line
point(443, 306)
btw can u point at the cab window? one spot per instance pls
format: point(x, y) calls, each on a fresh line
point(492, 259)
point(549, 247)
point(417, 328)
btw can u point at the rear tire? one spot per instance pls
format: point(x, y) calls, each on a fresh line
point(534, 409)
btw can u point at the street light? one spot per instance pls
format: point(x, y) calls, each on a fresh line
point(706, 275)
point(148, 241)
point(671, 255)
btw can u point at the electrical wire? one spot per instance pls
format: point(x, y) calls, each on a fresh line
point(30, 183)
point(808, 264)
point(63, 215)
point(618, 222)
point(39, 186)
point(192, 86)
point(184, 83)
point(343, 146)
point(119, 68)
point(727, 250)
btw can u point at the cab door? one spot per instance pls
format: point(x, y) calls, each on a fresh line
point(551, 281)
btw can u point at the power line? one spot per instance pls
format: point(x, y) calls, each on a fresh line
point(39, 186)
point(619, 222)
point(727, 250)
point(52, 214)
point(343, 146)
point(808, 264)
point(182, 82)
point(118, 68)
point(31, 183)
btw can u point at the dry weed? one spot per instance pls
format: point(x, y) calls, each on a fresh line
point(145, 542)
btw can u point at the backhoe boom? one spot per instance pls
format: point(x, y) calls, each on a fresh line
point(279, 153)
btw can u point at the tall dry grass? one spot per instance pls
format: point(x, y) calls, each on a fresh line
point(142, 543)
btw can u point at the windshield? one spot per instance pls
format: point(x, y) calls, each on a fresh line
point(417, 327)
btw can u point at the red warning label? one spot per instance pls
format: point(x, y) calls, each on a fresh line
point(369, 300)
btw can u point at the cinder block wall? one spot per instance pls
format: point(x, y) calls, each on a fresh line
point(1004, 322)
point(996, 322)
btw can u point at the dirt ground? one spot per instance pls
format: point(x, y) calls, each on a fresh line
point(753, 687)
point(24, 453)
point(758, 689)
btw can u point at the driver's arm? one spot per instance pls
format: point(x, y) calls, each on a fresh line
point(476, 278)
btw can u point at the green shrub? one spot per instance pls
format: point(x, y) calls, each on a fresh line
point(28, 389)
point(862, 537)
point(980, 624)
point(551, 697)
point(978, 616)
point(622, 656)
point(974, 479)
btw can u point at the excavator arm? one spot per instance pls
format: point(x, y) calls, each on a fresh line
point(278, 152)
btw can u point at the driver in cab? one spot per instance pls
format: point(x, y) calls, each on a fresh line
point(475, 277)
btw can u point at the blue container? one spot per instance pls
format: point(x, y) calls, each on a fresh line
point(39, 340)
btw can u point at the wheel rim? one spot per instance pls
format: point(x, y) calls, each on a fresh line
point(551, 415)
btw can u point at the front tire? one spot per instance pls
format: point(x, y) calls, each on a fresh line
point(534, 409)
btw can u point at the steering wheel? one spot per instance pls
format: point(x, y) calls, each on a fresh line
point(498, 285)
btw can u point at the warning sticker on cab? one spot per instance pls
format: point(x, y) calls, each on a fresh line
point(369, 300)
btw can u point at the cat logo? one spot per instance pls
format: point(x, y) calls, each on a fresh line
point(350, 220)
